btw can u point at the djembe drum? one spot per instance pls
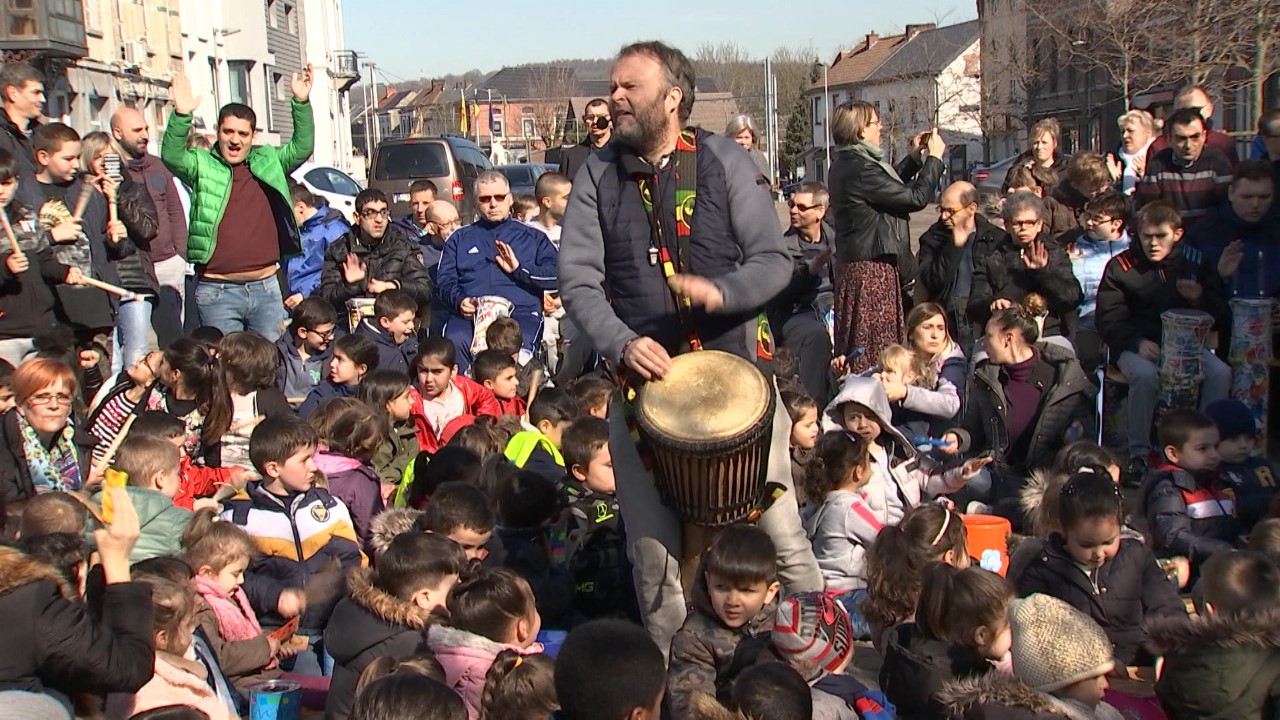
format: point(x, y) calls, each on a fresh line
point(1251, 355)
point(1182, 344)
point(708, 424)
point(358, 309)
point(488, 309)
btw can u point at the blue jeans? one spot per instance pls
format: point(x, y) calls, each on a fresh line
point(315, 660)
point(131, 339)
point(851, 601)
point(232, 306)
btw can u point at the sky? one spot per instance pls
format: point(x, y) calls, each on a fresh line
point(409, 39)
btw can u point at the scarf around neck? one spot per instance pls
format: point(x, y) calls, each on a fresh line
point(236, 620)
point(872, 153)
point(52, 470)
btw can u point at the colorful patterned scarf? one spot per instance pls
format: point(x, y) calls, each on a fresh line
point(52, 470)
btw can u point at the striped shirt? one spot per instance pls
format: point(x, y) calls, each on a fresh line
point(110, 419)
point(1193, 189)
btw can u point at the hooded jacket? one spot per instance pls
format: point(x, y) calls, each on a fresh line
point(388, 524)
point(390, 355)
point(1259, 272)
point(476, 400)
point(466, 658)
point(392, 258)
point(368, 624)
point(295, 377)
point(1001, 274)
point(171, 234)
point(1187, 515)
point(1219, 667)
point(358, 487)
point(52, 644)
point(1127, 590)
point(915, 668)
point(996, 696)
point(319, 230)
point(705, 652)
point(162, 524)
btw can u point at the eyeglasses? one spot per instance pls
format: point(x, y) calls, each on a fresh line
point(326, 335)
point(50, 399)
point(803, 208)
point(945, 211)
point(449, 223)
point(486, 199)
point(1098, 219)
point(1018, 224)
point(371, 214)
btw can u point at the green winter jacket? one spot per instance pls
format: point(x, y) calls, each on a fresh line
point(162, 523)
point(209, 177)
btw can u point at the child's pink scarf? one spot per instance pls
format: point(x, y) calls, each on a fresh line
point(236, 620)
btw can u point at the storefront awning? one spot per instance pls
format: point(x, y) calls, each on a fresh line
point(87, 81)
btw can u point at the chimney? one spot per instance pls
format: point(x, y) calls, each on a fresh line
point(872, 39)
point(390, 92)
point(914, 30)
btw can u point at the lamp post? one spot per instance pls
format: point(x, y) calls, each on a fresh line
point(219, 34)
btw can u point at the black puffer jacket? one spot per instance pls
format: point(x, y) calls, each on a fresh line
point(1001, 273)
point(915, 668)
point(395, 257)
point(1220, 667)
point(27, 300)
point(1127, 590)
point(871, 209)
point(1189, 514)
point(138, 213)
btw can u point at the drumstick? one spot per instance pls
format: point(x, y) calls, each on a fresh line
point(82, 202)
point(535, 379)
point(110, 453)
point(8, 230)
point(114, 289)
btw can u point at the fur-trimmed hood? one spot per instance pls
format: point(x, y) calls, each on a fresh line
point(387, 525)
point(961, 696)
point(1171, 636)
point(383, 606)
point(1039, 501)
point(17, 569)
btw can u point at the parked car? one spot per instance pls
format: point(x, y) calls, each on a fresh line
point(524, 176)
point(989, 179)
point(336, 187)
point(452, 163)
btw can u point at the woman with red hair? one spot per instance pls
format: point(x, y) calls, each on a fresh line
point(41, 449)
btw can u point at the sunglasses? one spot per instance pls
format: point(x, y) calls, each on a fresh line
point(802, 208)
point(599, 123)
point(486, 199)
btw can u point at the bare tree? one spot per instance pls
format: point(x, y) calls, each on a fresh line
point(734, 71)
point(1255, 46)
point(551, 90)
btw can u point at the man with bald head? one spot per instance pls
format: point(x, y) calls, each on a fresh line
point(1195, 96)
point(442, 221)
point(168, 250)
point(947, 252)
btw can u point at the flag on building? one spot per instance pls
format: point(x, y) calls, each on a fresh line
point(463, 116)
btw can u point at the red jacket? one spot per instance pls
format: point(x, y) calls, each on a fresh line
point(199, 482)
point(515, 406)
point(476, 400)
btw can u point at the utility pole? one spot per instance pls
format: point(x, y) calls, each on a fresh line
point(373, 82)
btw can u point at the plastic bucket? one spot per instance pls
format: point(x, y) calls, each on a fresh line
point(988, 542)
point(275, 700)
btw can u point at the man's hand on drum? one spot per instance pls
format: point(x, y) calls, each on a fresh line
point(1190, 290)
point(1149, 350)
point(700, 291)
point(647, 358)
point(467, 307)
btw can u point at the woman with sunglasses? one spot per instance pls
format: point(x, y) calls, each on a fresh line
point(41, 449)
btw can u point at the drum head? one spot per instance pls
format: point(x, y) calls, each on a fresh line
point(708, 396)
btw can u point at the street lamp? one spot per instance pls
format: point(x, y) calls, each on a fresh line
point(826, 109)
point(219, 33)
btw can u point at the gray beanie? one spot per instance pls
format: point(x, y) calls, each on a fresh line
point(1055, 645)
point(19, 705)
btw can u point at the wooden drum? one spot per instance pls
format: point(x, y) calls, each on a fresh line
point(709, 424)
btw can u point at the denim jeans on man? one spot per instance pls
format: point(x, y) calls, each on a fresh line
point(235, 306)
point(132, 337)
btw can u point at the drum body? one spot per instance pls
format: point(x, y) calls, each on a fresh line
point(709, 425)
point(1251, 355)
point(1182, 345)
point(358, 309)
point(488, 309)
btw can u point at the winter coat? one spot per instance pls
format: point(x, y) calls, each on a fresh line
point(171, 233)
point(596, 551)
point(319, 230)
point(295, 377)
point(1026, 159)
point(1259, 272)
point(27, 300)
point(1192, 189)
point(389, 524)
point(1135, 291)
point(466, 658)
point(476, 400)
point(940, 262)
point(243, 661)
point(397, 453)
point(177, 681)
point(705, 654)
point(1219, 667)
point(870, 208)
point(52, 644)
point(1066, 413)
point(368, 624)
point(392, 258)
point(1126, 591)
point(469, 269)
point(138, 213)
point(209, 177)
point(841, 697)
point(1001, 274)
point(531, 450)
point(322, 393)
point(802, 292)
point(528, 554)
point(390, 355)
point(996, 696)
point(17, 141)
point(358, 487)
point(1188, 515)
point(162, 524)
point(81, 304)
point(15, 473)
point(1254, 484)
point(915, 668)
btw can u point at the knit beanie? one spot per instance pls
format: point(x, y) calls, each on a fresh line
point(20, 705)
point(1232, 418)
point(1055, 645)
point(813, 628)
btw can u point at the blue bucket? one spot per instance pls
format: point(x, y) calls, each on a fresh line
point(551, 641)
point(275, 700)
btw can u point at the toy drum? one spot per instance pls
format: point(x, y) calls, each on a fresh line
point(988, 541)
point(709, 424)
point(1251, 355)
point(1182, 345)
point(275, 700)
point(357, 310)
point(488, 309)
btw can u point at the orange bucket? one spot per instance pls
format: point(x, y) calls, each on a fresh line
point(988, 541)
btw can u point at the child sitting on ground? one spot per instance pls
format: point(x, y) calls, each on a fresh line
point(610, 670)
point(152, 466)
point(460, 512)
point(353, 437)
point(1251, 477)
point(445, 396)
point(1233, 640)
point(496, 371)
point(539, 450)
point(426, 472)
point(387, 611)
point(520, 687)
point(505, 336)
point(1189, 511)
point(354, 356)
point(196, 481)
point(592, 393)
point(733, 601)
point(390, 395)
point(595, 540)
point(219, 553)
point(1157, 274)
point(122, 401)
point(192, 387)
point(491, 611)
point(1061, 659)
point(249, 366)
point(1091, 567)
point(303, 352)
point(52, 512)
point(923, 403)
point(392, 329)
point(961, 627)
point(528, 505)
point(803, 411)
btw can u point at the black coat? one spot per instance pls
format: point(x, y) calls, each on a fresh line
point(138, 213)
point(1166, 493)
point(15, 475)
point(368, 624)
point(1127, 590)
point(52, 644)
point(1002, 274)
point(395, 257)
point(17, 141)
point(1220, 667)
point(915, 668)
point(871, 210)
point(88, 306)
point(1059, 168)
point(26, 300)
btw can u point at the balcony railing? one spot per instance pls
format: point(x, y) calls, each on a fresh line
point(346, 64)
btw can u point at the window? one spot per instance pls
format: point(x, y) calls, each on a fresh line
point(281, 87)
point(319, 180)
point(217, 86)
point(93, 18)
point(291, 19)
point(272, 19)
point(528, 128)
point(238, 84)
point(341, 182)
